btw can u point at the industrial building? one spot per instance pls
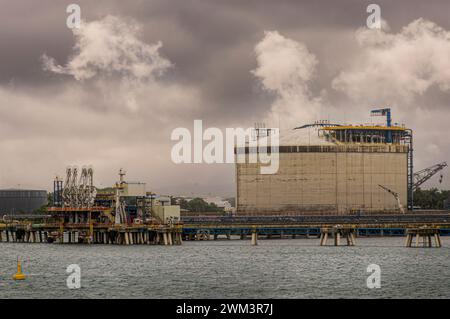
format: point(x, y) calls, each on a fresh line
point(332, 169)
point(21, 201)
point(123, 214)
point(77, 200)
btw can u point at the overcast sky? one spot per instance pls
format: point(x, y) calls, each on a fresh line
point(110, 93)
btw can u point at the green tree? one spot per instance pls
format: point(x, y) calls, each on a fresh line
point(430, 198)
point(199, 205)
point(183, 203)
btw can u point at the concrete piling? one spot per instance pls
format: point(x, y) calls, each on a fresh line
point(336, 232)
point(254, 238)
point(424, 233)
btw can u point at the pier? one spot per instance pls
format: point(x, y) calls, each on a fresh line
point(319, 227)
point(61, 228)
point(91, 234)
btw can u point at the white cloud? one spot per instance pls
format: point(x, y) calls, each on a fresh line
point(121, 70)
point(285, 67)
point(109, 46)
point(398, 67)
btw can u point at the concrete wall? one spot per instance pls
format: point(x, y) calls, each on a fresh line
point(329, 182)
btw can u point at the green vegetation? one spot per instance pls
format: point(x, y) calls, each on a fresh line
point(198, 205)
point(431, 198)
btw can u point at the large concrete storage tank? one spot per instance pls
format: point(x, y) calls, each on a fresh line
point(329, 170)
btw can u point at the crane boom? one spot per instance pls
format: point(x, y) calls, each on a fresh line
point(396, 196)
point(384, 112)
point(422, 176)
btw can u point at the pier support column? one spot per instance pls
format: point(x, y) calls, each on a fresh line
point(346, 232)
point(408, 241)
point(323, 238)
point(426, 233)
point(254, 238)
point(437, 240)
point(337, 238)
point(131, 238)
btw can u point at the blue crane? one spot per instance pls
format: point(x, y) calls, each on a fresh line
point(385, 112)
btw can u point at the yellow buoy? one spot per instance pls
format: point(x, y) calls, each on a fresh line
point(19, 275)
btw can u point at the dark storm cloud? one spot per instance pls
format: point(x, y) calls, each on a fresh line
point(209, 41)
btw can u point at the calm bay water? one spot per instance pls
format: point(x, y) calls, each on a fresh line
point(291, 268)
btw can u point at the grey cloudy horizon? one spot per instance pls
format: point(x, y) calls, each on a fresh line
point(110, 95)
